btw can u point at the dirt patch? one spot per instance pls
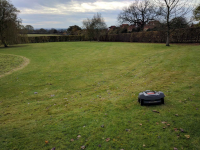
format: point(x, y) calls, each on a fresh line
point(21, 66)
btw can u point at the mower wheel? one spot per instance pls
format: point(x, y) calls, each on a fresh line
point(141, 102)
point(162, 101)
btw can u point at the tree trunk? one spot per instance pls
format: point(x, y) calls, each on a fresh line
point(5, 45)
point(4, 42)
point(167, 42)
point(142, 27)
point(168, 27)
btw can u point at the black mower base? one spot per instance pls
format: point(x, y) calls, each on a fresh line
point(143, 102)
point(151, 97)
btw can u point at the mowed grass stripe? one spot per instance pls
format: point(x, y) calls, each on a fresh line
point(83, 85)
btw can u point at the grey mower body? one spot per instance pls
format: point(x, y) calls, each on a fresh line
point(151, 97)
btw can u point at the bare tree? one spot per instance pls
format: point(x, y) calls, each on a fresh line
point(179, 22)
point(74, 30)
point(172, 9)
point(196, 13)
point(9, 23)
point(29, 28)
point(42, 31)
point(52, 31)
point(95, 26)
point(139, 13)
point(87, 25)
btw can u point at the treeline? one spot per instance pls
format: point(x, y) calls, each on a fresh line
point(31, 30)
point(72, 30)
point(189, 35)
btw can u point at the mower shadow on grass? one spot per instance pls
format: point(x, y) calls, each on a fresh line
point(152, 104)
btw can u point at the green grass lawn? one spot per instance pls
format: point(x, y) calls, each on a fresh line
point(87, 96)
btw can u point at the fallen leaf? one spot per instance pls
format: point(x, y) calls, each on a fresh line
point(83, 147)
point(155, 111)
point(72, 140)
point(46, 142)
point(181, 130)
point(187, 136)
point(128, 130)
point(108, 139)
point(175, 129)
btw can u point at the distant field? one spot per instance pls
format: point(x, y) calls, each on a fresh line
point(35, 35)
point(84, 95)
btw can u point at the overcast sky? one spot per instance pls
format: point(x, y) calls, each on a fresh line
point(64, 13)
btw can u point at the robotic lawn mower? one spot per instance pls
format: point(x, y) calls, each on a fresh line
point(151, 97)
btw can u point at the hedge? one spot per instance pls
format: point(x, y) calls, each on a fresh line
point(189, 35)
point(42, 39)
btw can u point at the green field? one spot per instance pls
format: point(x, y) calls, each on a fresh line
point(75, 94)
point(36, 35)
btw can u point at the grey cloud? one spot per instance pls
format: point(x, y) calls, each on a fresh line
point(64, 21)
point(60, 20)
point(52, 3)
